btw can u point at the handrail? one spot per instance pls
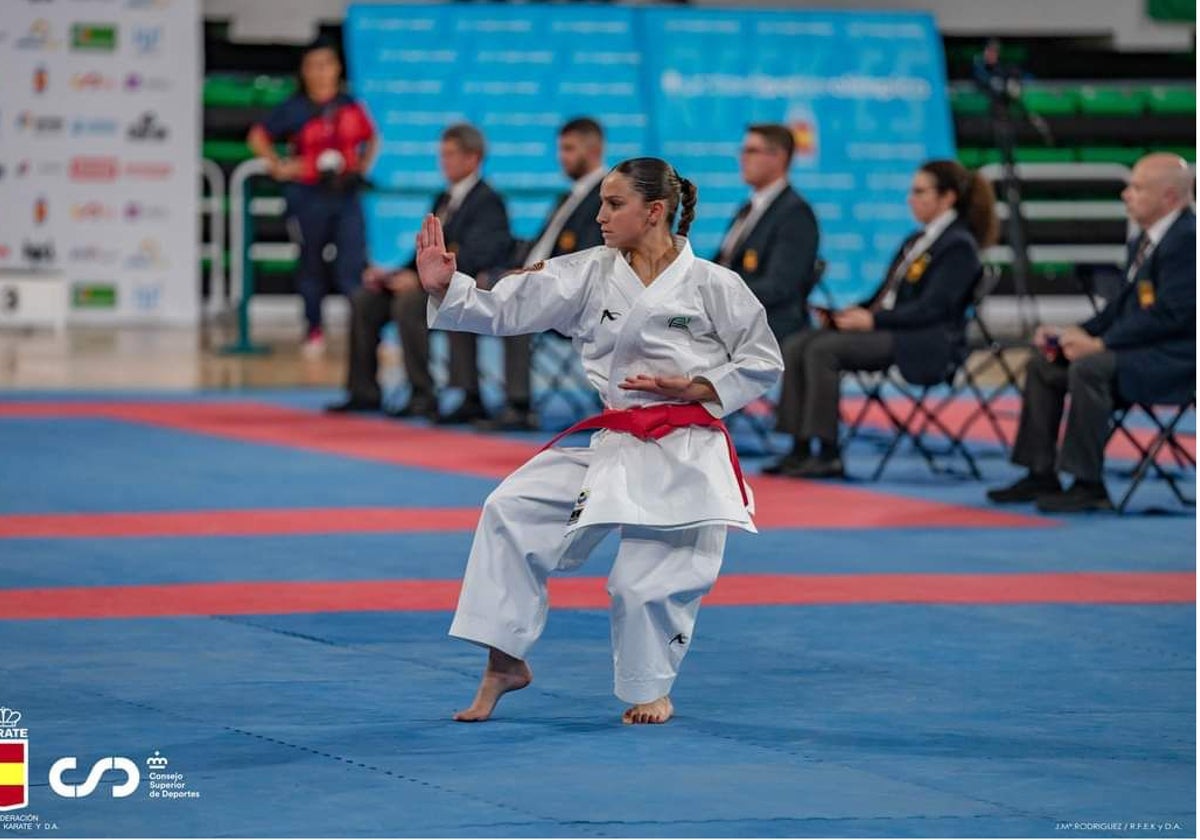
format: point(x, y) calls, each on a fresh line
point(211, 172)
point(241, 280)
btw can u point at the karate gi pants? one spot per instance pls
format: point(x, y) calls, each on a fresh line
point(656, 583)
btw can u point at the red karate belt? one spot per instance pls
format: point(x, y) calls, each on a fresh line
point(652, 422)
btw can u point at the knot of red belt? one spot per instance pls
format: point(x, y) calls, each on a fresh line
point(652, 422)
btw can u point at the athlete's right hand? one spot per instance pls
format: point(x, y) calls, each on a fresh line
point(435, 264)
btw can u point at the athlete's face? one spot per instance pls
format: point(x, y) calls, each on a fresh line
point(625, 217)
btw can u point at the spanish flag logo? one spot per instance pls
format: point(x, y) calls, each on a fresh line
point(14, 774)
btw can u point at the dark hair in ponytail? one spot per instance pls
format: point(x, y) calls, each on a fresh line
point(656, 180)
point(974, 199)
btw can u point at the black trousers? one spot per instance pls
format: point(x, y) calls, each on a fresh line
point(371, 309)
point(1091, 383)
point(813, 362)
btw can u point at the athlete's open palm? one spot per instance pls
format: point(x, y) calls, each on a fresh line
point(435, 264)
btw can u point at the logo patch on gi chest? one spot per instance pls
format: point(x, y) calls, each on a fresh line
point(578, 509)
point(679, 322)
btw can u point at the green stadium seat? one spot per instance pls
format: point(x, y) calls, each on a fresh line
point(275, 266)
point(1051, 102)
point(1109, 154)
point(965, 101)
point(269, 91)
point(974, 158)
point(226, 151)
point(1188, 153)
point(1175, 99)
point(1098, 101)
point(228, 92)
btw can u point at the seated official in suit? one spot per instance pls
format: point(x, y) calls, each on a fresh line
point(571, 226)
point(915, 320)
point(476, 226)
point(1141, 349)
point(772, 241)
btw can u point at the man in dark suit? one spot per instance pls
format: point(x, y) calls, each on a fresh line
point(571, 226)
point(1141, 347)
point(772, 240)
point(476, 229)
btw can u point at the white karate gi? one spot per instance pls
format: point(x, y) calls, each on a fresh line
point(673, 497)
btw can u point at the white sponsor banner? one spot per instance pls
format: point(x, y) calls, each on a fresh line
point(99, 153)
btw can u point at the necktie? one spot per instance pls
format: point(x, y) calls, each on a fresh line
point(1143, 251)
point(734, 237)
point(888, 297)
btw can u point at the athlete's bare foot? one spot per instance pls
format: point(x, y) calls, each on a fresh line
point(503, 674)
point(657, 711)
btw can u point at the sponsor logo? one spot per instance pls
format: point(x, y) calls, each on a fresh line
point(147, 40)
point(94, 37)
point(92, 211)
point(39, 124)
point(94, 169)
point(41, 210)
point(147, 4)
point(146, 298)
point(91, 81)
point(679, 322)
point(133, 776)
point(136, 81)
point(91, 295)
point(14, 739)
point(147, 170)
point(136, 211)
point(93, 127)
point(38, 252)
point(92, 255)
point(147, 127)
point(147, 257)
point(5, 251)
point(43, 168)
point(41, 78)
point(39, 37)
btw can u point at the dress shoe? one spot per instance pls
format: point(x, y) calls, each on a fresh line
point(814, 467)
point(416, 408)
point(788, 462)
point(471, 409)
point(509, 419)
point(352, 405)
point(1081, 498)
point(1028, 489)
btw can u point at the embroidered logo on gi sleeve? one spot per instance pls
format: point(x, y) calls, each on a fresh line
point(537, 266)
point(679, 639)
point(917, 270)
point(679, 322)
point(578, 509)
point(609, 315)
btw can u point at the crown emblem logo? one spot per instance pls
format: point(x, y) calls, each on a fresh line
point(157, 761)
point(9, 717)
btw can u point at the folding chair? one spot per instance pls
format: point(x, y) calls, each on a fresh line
point(1148, 455)
point(970, 378)
point(921, 416)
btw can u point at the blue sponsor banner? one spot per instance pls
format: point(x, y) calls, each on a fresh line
point(515, 72)
point(864, 94)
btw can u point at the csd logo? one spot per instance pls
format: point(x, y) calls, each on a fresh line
point(133, 777)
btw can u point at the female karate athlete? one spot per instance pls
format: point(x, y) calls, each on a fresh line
point(672, 343)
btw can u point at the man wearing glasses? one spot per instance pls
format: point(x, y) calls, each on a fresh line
point(772, 241)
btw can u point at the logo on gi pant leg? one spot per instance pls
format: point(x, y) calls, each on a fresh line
point(578, 509)
point(679, 322)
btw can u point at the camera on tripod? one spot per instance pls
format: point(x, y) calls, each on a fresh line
point(1002, 82)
